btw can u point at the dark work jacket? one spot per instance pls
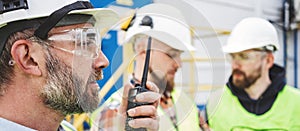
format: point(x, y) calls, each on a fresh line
point(266, 100)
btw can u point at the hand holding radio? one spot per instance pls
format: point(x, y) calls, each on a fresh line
point(144, 116)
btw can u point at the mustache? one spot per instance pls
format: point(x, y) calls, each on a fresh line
point(96, 75)
point(237, 71)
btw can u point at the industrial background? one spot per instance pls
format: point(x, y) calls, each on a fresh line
point(210, 22)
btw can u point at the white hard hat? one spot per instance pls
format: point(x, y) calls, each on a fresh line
point(252, 33)
point(17, 15)
point(43, 8)
point(169, 26)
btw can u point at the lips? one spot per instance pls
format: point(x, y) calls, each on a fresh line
point(238, 74)
point(92, 81)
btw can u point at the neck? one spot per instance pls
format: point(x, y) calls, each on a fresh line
point(258, 88)
point(22, 104)
point(166, 101)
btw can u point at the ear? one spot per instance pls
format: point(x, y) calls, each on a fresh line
point(25, 56)
point(270, 60)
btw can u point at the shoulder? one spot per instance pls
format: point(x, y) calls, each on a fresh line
point(215, 97)
point(292, 91)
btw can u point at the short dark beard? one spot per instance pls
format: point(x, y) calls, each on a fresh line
point(247, 82)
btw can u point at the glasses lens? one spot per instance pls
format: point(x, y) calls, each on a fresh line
point(88, 42)
point(245, 57)
point(81, 41)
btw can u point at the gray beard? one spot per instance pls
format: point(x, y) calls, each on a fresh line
point(63, 90)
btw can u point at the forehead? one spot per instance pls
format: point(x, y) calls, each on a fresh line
point(244, 52)
point(158, 45)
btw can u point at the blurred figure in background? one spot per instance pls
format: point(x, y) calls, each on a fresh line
point(256, 96)
point(170, 37)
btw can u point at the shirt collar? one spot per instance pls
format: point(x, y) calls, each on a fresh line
point(7, 125)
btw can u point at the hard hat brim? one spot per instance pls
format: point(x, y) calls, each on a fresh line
point(164, 37)
point(104, 16)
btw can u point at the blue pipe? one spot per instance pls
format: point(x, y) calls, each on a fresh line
point(284, 49)
point(296, 58)
point(284, 27)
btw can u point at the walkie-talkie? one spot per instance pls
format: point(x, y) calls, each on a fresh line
point(139, 88)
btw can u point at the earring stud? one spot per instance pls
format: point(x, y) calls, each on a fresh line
point(11, 62)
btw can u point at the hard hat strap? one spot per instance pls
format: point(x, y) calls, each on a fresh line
point(10, 28)
point(17, 26)
point(55, 17)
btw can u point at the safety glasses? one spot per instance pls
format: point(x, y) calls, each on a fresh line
point(171, 53)
point(246, 57)
point(80, 41)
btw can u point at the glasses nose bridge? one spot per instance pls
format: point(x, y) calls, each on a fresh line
point(236, 60)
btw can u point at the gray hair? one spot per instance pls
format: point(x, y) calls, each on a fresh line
point(6, 72)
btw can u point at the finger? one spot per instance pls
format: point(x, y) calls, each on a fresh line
point(149, 123)
point(148, 97)
point(145, 110)
point(151, 86)
point(124, 103)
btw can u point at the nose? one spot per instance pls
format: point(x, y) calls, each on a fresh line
point(100, 62)
point(177, 62)
point(235, 64)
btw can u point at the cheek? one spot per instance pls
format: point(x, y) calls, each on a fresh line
point(161, 63)
point(253, 68)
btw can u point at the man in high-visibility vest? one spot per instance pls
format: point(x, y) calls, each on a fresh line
point(50, 59)
point(170, 37)
point(256, 96)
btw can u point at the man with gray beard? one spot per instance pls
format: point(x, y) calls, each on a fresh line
point(50, 61)
point(256, 97)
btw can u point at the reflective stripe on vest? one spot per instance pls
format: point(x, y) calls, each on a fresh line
point(229, 114)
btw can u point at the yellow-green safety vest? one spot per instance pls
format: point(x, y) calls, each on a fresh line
point(229, 114)
point(186, 113)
